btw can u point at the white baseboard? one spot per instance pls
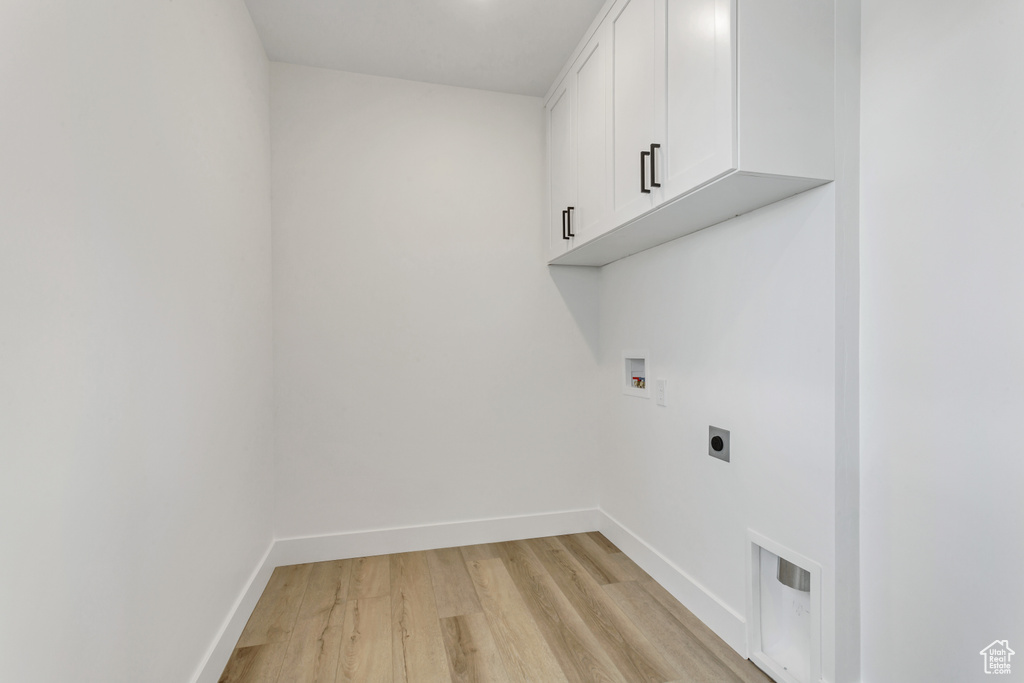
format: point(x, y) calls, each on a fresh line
point(288, 551)
point(429, 536)
point(220, 651)
point(720, 618)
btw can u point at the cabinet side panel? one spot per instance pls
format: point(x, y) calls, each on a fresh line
point(786, 87)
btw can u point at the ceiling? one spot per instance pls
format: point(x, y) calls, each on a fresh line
point(513, 46)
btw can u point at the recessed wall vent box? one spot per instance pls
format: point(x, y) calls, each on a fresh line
point(783, 612)
point(635, 370)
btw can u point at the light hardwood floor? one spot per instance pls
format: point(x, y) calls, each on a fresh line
point(566, 609)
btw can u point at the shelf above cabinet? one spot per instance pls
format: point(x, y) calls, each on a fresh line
point(731, 195)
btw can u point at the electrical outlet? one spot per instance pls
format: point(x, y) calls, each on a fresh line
point(718, 443)
point(661, 392)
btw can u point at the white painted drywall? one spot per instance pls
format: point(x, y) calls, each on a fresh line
point(942, 337)
point(847, 476)
point(429, 367)
point(135, 347)
point(739, 318)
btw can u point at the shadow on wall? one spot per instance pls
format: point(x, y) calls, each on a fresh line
point(578, 286)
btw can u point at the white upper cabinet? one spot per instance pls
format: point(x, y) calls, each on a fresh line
point(698, 104)
point(708, 108)
point(561, 177)
point(579, 156)
point(590, 78)
point(633, 105)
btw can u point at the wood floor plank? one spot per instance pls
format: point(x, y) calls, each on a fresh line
point(366, 642)
point(278, 607)
point(255, 664)
point(417, 649)
point(601, 565)
point(625, 567)
point(594, 563)
point(370, 577)
point(327, 591)
point(578, 652)
point(315, 643)
point(743, 668)
point(473, 656)
point(570, 609)
point(453, 589)
point(522, 646)
point(635, 657)
point(481, 551)
point(603, 542)
point(681, 648)
point(313, 650)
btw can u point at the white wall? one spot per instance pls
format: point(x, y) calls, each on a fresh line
point(847, 475)
point(740, 319)
point(135, 348)
point(942, 337)
point(428, 366)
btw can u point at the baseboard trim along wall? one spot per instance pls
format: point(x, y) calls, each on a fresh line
point(720, 618)
point(729, 625)
point(220, 650)
point(429, 536)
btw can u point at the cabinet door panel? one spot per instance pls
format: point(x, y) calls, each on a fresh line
point(560, 165)
point(593, 200)
point(699, 99)
point(633, 98)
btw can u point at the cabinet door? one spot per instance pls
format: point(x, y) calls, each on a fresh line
point(699, 93)
point(592, 81)
point(560, 170)
point(633, 104)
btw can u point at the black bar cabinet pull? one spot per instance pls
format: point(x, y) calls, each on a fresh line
point(643, 172)
point(571, 233)
point(654, 164)
point(565, 215)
